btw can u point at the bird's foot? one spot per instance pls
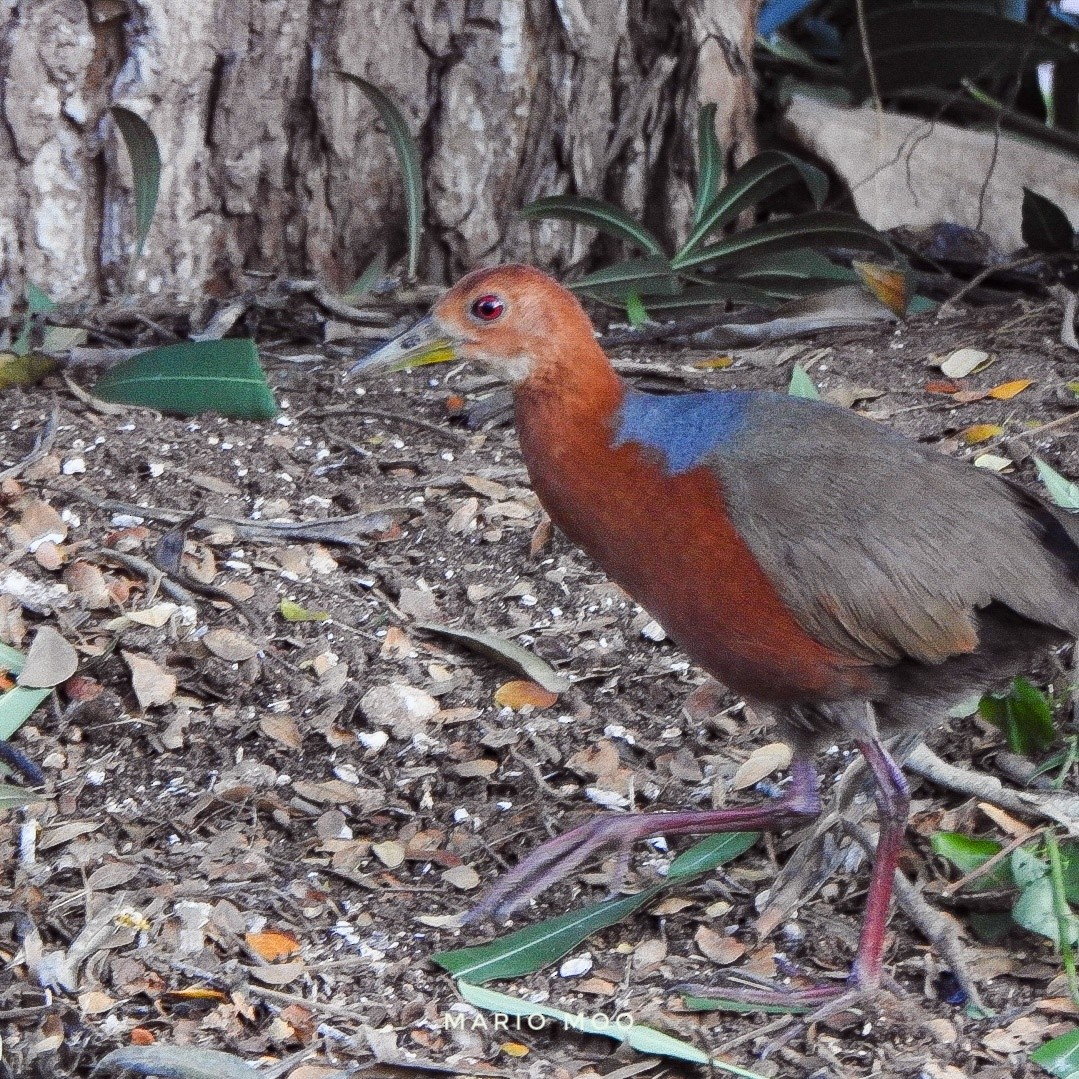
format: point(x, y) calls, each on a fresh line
point(556, 859)
point(808, 1004)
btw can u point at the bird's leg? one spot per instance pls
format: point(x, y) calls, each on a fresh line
point(893, 802)
point(560, 856)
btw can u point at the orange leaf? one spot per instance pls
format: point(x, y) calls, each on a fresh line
point(889, 285)
point(271, 945)
point(1007, 390)
point(514, 1049)
point(195, 994)
point(521, 692)
point(716, 363)
point(981, 432)
point(942, 385)
point(142, 1036)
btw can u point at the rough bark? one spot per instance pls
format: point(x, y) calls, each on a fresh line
point(274, 163)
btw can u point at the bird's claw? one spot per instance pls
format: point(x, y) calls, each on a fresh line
point(556, 859)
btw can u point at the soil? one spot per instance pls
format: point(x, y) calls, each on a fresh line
point(251, 825)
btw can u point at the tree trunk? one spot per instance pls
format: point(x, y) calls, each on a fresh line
point(273, 162)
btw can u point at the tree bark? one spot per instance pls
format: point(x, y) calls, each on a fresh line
point(274, 163)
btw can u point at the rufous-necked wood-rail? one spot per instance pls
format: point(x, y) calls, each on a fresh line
point(851, 582)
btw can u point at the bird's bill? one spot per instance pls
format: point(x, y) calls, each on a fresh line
point(425, 342)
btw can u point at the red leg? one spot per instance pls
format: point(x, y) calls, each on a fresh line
point(560, 856)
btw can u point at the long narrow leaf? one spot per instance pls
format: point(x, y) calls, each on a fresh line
point(764, 175)
point(596, 214)
point(408, 156)
point(372, 273)
point(537, 946)
point(641, 1038)
point(821, 229)
point(709, 162)
point(649, 276)
point(16, 706)
point(194, 376)
point(145, 158)
point(1061, 490)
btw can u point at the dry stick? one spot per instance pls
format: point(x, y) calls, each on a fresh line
point(937, 928)
point(990, 863)
point(867, 55)
point(42, 445)
point(385, 414)
point(1061, 421)
point(977, 279)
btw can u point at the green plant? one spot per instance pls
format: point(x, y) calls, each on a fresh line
point(767, 263)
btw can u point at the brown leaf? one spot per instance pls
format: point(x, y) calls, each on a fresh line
point(88, 583)
point(283, 729)
point(942, 385)
point(888, 284)
point(463, 877)
point(718, 947)
point(521, 693)
point(152, 684)
point(278, 973)
point(39, 522)
point(762, 762)
point(229, 645)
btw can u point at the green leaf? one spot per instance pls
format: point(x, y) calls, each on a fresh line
point(635, 311)
point(11, 659)
point(536, 946)
point(38, 301)
point(1060, 1056)
point(802, 385)
point(17, 797)
point(408, 156)
point(596, 214)
point(1045, 225)
point(1061, 490)
point(965, 852)
point(758, 178)
point(641, 1038)
point(1034, 910)
point(709, 161)
point(726, 1004)
point(646, 276)
point(194, 376)
point(818, 229)
point(16, 707)
point(293, 612)
point(373, 272)
point(145, 158)
point(1023, 714)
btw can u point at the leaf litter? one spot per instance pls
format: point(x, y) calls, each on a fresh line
point(255, 845)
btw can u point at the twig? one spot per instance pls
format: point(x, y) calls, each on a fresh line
point(42, 445)
point(335, 306)
point(867, 55)
point(1061, 421)
point(988, 864)
point(152, 573)
point(978, 278)
point(386, 414)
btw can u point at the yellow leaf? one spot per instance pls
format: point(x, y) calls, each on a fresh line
point(272, 945)
point(23, 370)
point(981, 432)
point(514, 1049)
point(521, 692)
point(716, 363)
point(293, 612)
point(1007, 390)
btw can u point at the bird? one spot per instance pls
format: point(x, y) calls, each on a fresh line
point(848, 581)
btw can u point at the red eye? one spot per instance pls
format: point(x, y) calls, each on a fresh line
point(488, 308)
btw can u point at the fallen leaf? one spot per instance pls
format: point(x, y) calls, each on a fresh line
point(463, 877)
point(406, 710)
point(514, 1049)
point(39, 522)
point(50, 661)
point(888, 284)
point(716, 363)
point(942, 386)
point(762, 762)
point(963, 361)
point(152, 684)
point(229, 645)
point(992, 462)
point(278, 973)
point(272, 945)
point(718, 947)
point(980, 432)
point(1024, 1033)
point(88, 583)
point(521, 693)
point(1007, 390)
point(282, 728)
point(390, 853)
point(293, 612)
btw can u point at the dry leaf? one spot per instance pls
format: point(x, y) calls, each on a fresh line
point(980, 432)
point(39, 522)
point(278, 973)
point(463, 877)
point(942, 386)
point(152, 684)
point(716, 363)
point(888, 284)
point(718, 947)
point(521, 693)
point(50, 661)
point(272, 945)
point(762, 762)
point(390, 853)
point(1007, 390)
point(963, 361)
point(283, 729)
point(406, 710)
point(88, 583)
point(514, 1049)
point(229, 645)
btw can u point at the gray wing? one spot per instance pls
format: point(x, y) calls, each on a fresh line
point(883, 548)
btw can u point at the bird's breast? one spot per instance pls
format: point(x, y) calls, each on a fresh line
point(669, 542)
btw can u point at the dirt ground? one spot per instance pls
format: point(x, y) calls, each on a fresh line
point(250, 822)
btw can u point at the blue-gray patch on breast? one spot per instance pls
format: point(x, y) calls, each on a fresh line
point(684, 428)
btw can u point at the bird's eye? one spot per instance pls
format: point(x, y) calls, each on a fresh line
point(488, 308)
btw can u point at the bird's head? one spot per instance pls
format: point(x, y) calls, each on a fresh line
point(512, 320)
